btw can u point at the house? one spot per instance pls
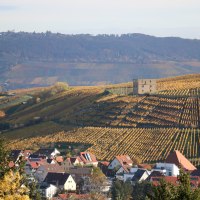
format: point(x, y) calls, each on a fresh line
point(155, 174)
point(63, 181)
point(48, 191)
point(76, 161)
point(31, 165)
point(15, 155)
point(81, 176)
point(120, 161)
point(180, 160)
point(120, 173)
point(140, 175)
point(80, 173)
point(26, 154)
point(196, 172)
point(48, 152)
point(51, 161)
point(104, 168)
point(66, 164)
point(43, 170)
point(144, 86)
point(37, 156)
point(88, 159)
point(59, 159)
point(128, 175)
point(168, 169)
point(194, 180)
point(169, 179)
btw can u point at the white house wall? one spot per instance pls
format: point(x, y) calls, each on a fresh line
point(51, 191)
point(70, 184)
point(114, 164)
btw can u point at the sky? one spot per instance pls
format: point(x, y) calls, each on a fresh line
point(153, 17)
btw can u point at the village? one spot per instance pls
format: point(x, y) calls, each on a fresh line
point(60, 178)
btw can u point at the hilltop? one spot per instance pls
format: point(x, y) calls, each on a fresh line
point(41, 59)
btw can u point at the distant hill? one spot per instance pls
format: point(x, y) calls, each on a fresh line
point(41, 59)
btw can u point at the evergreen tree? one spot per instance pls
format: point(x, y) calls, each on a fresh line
point(183, 191)
point(121, 190)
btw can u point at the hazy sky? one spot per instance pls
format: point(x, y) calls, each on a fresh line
point(154, 17)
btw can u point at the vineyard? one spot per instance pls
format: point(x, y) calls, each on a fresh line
point(146, 127)
point(144, 111)
point(149, 145)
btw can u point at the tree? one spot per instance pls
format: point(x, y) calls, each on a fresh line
point(34, 193)
point(141, 190)
point(164, 191)
point(121, 190)
point(4, 158)
point(183, 191)
point(59, 87)
point(13, 182)
point(97, 180)
point(11, 187)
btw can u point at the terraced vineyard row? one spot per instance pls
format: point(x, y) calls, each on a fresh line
point(149, 145)
point(181, 93)
point(146, 111)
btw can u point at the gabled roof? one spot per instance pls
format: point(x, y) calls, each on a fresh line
point(81, 171)
point(26, 153)
point(59, 159)
point(155, 174)
point(196, 172)
point(145, 166)
point(124, 160)
point(104, 163)
point(126, 168)
point(56, 178)
point(53, 168)
point(34, 165)
point(46, 152)
point(15, 154)
point(194, 180)
point(138, 174)
point(169, 179)
point(37, 156)
point(180, 160)
point(87, 157)
point(49, 160)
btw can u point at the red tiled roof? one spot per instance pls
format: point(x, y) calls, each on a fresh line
point(194, 180)
point(145, 166)
point(124, 160)
point(180, 160)
point(34, 165)
point(169, 179)
point(105, 163)
point(26, 153)
point(59, 159)
point(11, 164)
point(84, 157)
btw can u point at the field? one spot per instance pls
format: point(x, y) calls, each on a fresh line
point(149, 145)
point(146, 127)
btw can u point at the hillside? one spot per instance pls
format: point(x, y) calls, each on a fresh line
point(41, 59)
point(110, 123)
